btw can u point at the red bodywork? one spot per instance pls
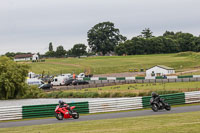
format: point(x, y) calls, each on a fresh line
point(64, 111)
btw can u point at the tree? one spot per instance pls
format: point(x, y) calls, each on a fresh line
point(146, 33)
point(186, 41)
point(12, 78)
point(10, 54)
point(69, 53)
point(104, 37)
point(60, 52)
point(79, 49)
point(168, 33)
point(50, 46)
point(139, 45)
point(120, 49)
point(156, 45)
point(197, 44)
point(170, 45)
point(50, 54)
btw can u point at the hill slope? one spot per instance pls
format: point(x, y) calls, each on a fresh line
point(117, 64)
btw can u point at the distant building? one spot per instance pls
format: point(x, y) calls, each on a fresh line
point(35, 57)
point(26, 57)
point(159, 70)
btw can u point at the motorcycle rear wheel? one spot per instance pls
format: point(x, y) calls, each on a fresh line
point(154, 107)
point(59, 116)
point(75, 115)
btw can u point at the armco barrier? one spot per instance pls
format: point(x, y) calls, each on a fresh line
point(140, 78)
point(192, 97)
point(11, 113)
point(47, 110)
point(115, 104)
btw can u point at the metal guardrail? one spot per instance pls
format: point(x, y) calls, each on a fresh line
point(139, 78)
point(11, 113)
point(192, 97)
point(115, 104)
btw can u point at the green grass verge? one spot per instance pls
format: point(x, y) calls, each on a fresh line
point(147, 86)
point(116, 64)
point(168, 123)
point(126, 90)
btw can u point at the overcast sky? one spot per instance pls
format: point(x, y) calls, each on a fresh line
point(29, 25)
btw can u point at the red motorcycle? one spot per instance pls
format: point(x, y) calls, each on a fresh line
point(63, 112)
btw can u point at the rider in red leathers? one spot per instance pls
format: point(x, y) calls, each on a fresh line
point(63, 104)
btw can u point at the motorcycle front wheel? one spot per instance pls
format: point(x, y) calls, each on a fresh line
point(154, 107)
point(167, 107)
point(75, 115)
point(59, 116)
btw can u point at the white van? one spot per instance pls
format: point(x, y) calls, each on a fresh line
point(68, 75)
point(34, 81)
point(59, 80)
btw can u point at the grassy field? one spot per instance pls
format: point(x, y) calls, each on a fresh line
point(116, 64)
point(168, 123)
point(144, 87)
point(126, 90)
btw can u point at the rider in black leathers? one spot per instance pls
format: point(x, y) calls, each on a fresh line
point(63, 104)
point(156, 97)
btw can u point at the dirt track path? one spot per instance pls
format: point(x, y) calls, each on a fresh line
point(132, 74)
point(125, 74)
point(188, 71)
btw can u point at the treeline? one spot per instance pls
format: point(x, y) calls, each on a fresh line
point(169, 42)
point(12, 54)
point(104, 38)
point(77, 50)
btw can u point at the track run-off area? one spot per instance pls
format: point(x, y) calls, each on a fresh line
point(135, 113)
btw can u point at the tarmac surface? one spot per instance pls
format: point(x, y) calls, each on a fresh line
point(115, 115)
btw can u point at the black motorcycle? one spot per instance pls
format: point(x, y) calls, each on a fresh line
point(159, 104)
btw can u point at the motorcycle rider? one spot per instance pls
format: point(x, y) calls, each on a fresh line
point(156, 97)
point(63, 104)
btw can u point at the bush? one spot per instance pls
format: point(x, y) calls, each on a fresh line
point(105, 95)
point(143, 94)
point(42, 95)
point(32, 92)
point(130, 95)
point(117, 94)
point(12, 79)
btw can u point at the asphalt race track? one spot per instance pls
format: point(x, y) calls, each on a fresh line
point(100, 116)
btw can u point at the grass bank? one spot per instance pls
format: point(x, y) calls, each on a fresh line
point(170, 123)
point(126, 90)
point(116, 64)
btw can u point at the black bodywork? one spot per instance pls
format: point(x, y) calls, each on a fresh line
point(69, 81)
point(159, 104)
point(45, 86)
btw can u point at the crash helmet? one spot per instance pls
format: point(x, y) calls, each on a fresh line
point(60, 101)
point(153, 94)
